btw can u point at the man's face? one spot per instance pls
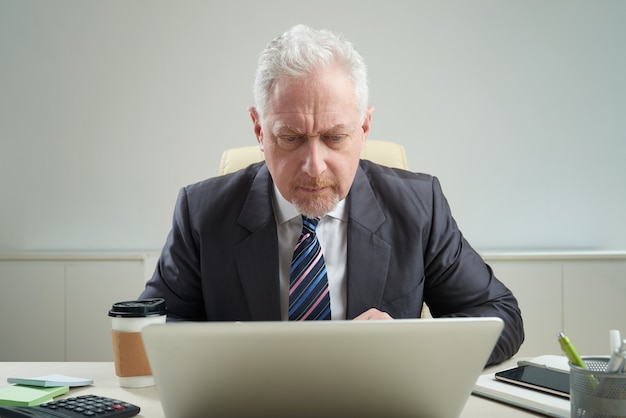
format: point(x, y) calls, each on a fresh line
point(312, 135)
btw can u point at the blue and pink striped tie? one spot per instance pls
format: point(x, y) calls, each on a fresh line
point(308, 282)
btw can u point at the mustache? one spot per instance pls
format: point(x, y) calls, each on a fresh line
point(313, 183)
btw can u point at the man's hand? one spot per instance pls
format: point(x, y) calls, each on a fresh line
point(372, 314)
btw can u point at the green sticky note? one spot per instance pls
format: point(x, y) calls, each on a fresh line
point(21, 395)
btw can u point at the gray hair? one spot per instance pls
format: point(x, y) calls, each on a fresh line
point(301, 51)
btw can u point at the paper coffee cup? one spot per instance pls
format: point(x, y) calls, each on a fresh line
point(127, 320)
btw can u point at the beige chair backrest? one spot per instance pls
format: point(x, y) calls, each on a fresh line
point(386, 153)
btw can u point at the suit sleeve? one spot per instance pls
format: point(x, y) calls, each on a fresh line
point(177, 274)
point(460, 284)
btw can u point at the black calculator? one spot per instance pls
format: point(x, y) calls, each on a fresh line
point(76, 407)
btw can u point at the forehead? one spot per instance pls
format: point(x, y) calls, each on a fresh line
point(325, 99)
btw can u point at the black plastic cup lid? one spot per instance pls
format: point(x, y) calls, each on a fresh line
point(139, 308)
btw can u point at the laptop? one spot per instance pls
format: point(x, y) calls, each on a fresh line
point(394, 368)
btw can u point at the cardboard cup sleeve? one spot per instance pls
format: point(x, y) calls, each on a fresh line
point(130, 355)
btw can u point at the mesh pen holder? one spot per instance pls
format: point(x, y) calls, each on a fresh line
point(595, 393)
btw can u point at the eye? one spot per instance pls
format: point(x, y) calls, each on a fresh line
point(334, 140)
point(290, 138)
point(289, 142)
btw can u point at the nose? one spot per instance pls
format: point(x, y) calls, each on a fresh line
point(315, 157)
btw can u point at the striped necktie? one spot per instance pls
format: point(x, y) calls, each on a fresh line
point(308, 282)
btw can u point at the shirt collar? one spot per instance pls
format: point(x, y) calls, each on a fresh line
point(286, 211)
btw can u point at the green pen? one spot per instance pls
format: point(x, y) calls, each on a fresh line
point(570, 351)
point(574, 358)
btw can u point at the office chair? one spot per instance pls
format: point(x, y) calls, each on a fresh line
point(386, 153)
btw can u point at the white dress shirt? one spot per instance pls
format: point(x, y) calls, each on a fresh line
point(333, 237)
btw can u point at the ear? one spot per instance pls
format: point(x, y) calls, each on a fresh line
point(366, 123)
point(256, 121)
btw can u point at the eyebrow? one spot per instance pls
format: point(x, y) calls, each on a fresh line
point(292, 130)
point(283, 129)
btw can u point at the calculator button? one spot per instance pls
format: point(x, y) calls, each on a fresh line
point(91, 406)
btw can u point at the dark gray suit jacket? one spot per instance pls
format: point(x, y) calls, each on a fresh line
point(220, 260)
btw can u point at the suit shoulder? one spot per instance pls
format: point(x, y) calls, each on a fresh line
point(378, 172)
point(226, 182)
point(222, 193)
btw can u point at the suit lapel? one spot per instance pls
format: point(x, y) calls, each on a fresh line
point(257, 255)
point(368, 254)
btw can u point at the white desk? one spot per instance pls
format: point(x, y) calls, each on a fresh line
point(106, 384)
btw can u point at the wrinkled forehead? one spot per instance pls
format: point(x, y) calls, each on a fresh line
point(326, 100)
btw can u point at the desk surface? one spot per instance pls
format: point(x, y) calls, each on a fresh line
point(106, 384)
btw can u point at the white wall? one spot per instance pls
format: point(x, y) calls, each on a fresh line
point(108, 107)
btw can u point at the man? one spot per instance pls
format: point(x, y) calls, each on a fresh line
point(388, 240)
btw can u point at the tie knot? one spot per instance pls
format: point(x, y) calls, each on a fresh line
point(310, 223)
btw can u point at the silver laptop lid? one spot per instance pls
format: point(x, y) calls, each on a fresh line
point(396, 368)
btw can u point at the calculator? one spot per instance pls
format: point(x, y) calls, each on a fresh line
point(76, 407)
